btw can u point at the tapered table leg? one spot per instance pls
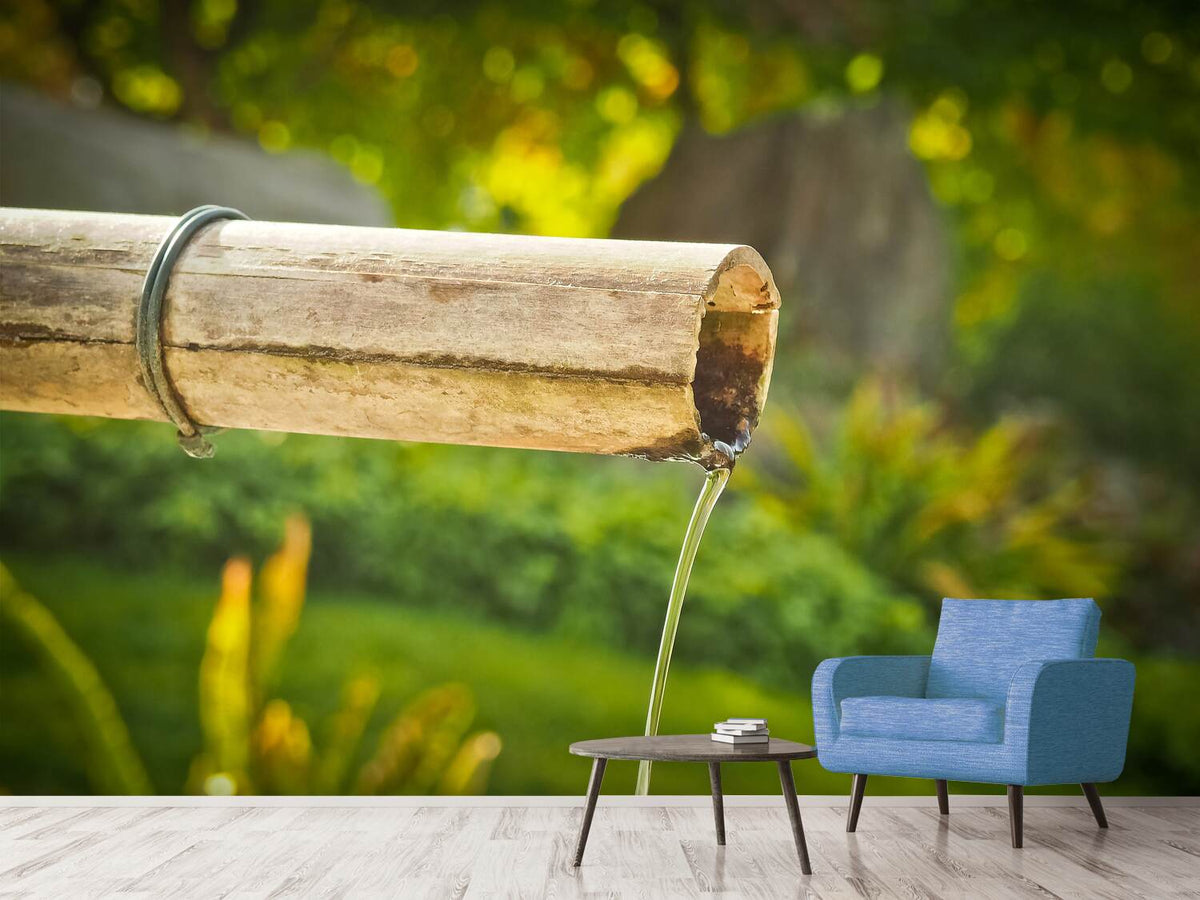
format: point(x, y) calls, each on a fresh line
point(856, 798)
point(793, 808)
point(943, 797)
point(1016, 814)
point(1093, 798)
point(714, 776)
point(593, 794)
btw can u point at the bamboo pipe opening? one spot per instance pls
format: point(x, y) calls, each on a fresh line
point(734, 356)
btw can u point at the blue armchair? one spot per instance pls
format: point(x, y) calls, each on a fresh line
point(1011, 695)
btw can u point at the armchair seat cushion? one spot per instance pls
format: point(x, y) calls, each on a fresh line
point(920, 719)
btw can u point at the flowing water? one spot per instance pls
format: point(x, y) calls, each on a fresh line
point(714, 484)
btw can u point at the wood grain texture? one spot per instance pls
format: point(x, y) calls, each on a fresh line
point(593, 794)
point(643, 348)
point(691, 748)
point(857, 789)
point(518, 851)
point(788, 785)
point(1097, 805)
point(718, 798)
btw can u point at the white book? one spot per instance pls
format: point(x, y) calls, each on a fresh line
point(739, 729)
point(741, 738)
point(762, 722)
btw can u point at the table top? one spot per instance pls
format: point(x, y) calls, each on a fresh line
point(691, 748)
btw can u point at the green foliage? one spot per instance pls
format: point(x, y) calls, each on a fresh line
point(254, 745)
point(545, 542)
point(1162, 735)
point(538, 116)
point(1120, 373)
point(1059, 139)
point(113, 763)
point(935, 512)
point(1085, 345)
point(146, 631)
point(850, 543)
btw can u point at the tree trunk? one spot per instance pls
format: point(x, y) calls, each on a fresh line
point(843, 212)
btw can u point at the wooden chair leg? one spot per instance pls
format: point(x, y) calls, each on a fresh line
point(856, 798)
point(1016, 814)
point(714, 777)
point(943, 797)
point(1093, 798)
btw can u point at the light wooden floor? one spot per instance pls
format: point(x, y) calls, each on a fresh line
point(388, 851)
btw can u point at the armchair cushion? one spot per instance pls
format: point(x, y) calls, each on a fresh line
point(981, 643)
point(861, 676)
point(918, 719)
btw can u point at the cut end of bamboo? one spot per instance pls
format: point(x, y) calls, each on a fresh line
point(656, 350)
point(736, 351)
point(734, 354)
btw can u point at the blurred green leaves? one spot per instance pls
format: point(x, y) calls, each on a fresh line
point(935, 511)
point(543, 117)
point(254, 743)
point(1056, 454)
point(111, 760)
point(225, 705)
point(865, 519)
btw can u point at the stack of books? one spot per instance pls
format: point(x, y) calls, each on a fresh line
point(741, 731)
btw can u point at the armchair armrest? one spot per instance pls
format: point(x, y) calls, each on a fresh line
point(1070, 718)
point(861, 676)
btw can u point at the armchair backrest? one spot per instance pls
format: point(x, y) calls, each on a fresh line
point(981, 643)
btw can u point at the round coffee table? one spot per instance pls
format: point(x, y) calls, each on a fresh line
point(697, 748)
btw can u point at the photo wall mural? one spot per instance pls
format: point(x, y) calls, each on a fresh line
point(971, 295)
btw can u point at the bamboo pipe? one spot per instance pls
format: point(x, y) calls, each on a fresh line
point(646, 349)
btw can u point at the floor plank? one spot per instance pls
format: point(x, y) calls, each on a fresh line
point(480, 852)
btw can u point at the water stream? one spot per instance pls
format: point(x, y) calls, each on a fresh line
point(714, 484)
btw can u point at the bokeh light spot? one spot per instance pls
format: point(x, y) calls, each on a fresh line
point(402, 60)
point(577, 73)
point(1116, 76)
point(864, 72)
point(148, 89)
point(617, 104)
point(498, 64)
point(647, 62)
point(527, 84)
point(937, 132)
point(1157, 47)
point(1011, 244)
point(343, 147)
point(367, 164)
point(274, 136)
point(220, 784)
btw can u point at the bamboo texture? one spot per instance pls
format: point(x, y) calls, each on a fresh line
point(648, 349)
